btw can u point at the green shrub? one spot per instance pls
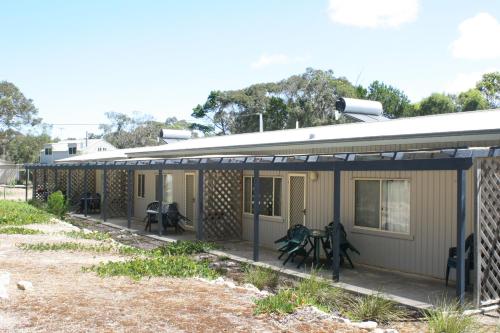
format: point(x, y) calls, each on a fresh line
point(184, 248)
point(20, 213)
point(374, 307)
point(261, 277)
point(449, 318)
point(19, 231)
point(56, 204)
point(174, 266)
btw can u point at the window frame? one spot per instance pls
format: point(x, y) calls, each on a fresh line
point(72, 150)
point(277, 217)
point(141, 187)
point(48, 151)
point(379, 230)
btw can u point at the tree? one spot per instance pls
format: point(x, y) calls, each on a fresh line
point(308, 98)
point(472, 100)
point(26, 148)
point(489, 86)
point(394, 101)
point(435, 104)
point(16, 112)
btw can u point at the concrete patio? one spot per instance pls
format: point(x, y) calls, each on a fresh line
point(412, 290)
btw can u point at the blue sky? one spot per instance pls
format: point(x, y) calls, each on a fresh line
point(79, 59)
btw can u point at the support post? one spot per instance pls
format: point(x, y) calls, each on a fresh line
point(256, 214)
point(26, 182)
point(68, 189)
point(34, 180)
point(45, 181)
point(85, 190)
point(129, 198)
point(160, 199)
point(56, 174)
point(461, 226)
point(104, 208)
point(335, 243)
point(199, 202)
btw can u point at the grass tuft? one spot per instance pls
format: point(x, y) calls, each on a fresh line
point(19, 231)
point(66, 246)
point(95, 235)
point(449, 318)
point(21, 213)
point(375, 308)
point(183, 248)
point(173, 266)
point(285, 301)
point(261, 277)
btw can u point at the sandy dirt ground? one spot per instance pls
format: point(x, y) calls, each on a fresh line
point(66, 299)
point(14, 193)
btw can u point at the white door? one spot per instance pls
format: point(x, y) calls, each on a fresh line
point(296, 199)
point(189, 199)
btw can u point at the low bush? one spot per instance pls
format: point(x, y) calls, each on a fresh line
point(375, 308)
point(20, 213)
point(184, 248)
point(56, 204)
point(19, 231)
point(174, 266)
point(261, 277)
point(449, 318)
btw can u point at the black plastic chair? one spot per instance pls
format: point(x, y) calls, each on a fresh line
point(173, 218)
point(469, 259)
point(344, 244)
point(296, 246)
point(152, 211)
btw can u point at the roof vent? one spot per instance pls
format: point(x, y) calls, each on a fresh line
point(361, 109)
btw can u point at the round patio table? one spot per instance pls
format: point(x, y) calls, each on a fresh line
point(315, 238)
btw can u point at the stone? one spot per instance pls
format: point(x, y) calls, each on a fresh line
point(367, 325)
point(251, 287)
point(390, 330)
point(25, 285)
point(4, 283)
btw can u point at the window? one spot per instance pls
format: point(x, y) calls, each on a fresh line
point(141, 180)
point(48, 151)
point(270, 195)
point(72, 150)
point(383, 204)
point(168, 186)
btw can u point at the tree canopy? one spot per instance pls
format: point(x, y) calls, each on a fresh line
point(16, 112)
point(309, 98)
point(140, 130)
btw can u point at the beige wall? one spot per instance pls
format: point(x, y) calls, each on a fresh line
point(432, 221)
point(178, 177)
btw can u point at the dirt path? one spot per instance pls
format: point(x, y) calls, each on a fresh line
point(65, 299)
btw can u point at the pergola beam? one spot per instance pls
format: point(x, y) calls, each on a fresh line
point(461, 227)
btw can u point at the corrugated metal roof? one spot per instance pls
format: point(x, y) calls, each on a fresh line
point(482, 125)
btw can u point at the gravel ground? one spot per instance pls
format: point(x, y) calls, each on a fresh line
point(65, 299)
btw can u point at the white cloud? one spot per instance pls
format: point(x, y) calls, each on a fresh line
point(465, 81)
point(275, 59)
point(479, 38)
point(373, 14)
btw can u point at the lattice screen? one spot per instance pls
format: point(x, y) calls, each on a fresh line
point(116, 193)
point(222, 211)
point(489, 230)
point(78, 187)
